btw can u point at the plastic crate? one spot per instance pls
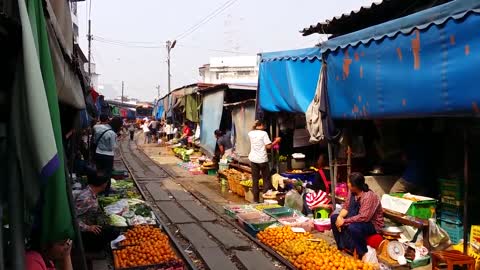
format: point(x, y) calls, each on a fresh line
point(454, 230)
point(420, 209)
point(452, 188)
point(450, 212)
point(450, 184)
point(257, 219)
point(450, 216)
point(419, 263)
point(253, 230)
point(451, 201)
point(223, 167)
point(282, 212)
point(234, 210)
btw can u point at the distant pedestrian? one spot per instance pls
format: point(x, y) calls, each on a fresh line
point(146, 132)
point(131, 130)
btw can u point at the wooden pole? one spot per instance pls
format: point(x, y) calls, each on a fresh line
point(466, 175)
point(332, 174)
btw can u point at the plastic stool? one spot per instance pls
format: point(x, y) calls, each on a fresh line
point(374, 240)
point(321, 212)
point(451, 258)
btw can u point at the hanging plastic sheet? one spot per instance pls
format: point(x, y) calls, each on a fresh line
point(191, 108)
point(212, 111)
point(243, 118)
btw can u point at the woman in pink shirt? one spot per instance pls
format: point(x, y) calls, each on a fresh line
point(41, 258)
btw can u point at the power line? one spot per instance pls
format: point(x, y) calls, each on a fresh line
point(138, 44)
point(213, 50)
point(206, 19)
point(126, 41)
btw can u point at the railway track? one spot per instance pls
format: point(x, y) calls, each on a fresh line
point(203, 236)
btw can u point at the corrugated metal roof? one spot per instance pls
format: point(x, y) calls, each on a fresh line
point(366, 16)
point(438, 15)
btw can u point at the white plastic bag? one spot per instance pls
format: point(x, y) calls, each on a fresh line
point(371, 256)
point(294, 200)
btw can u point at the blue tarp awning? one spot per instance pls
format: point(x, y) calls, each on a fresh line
point(288, 79)
point(425, 64)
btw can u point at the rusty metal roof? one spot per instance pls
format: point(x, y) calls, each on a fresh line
point(377, 13)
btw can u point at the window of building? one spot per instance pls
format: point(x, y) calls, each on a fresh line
point(244, 73)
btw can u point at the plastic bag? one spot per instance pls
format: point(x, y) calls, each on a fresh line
point(436, 234)
point(371, 256)
point(294, 200)
point(117, 208)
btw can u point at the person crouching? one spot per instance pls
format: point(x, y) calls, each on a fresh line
point(360, 217)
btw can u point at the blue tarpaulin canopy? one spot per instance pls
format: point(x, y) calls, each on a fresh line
point(425, 64)
point(288, 79)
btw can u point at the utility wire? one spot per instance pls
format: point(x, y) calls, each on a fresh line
point(206, 19)
point(153, 45)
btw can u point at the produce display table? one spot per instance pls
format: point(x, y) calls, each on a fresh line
point(240, 167)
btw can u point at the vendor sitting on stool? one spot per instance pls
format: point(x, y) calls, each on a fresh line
point(319, 188)
point(361, 216)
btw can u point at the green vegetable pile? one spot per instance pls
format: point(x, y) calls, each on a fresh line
point(183, 153)
point(122, 184)
point(104, 201)
point(142, 210)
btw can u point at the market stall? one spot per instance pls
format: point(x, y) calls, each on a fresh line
point(361, 82)
point(295, 237)
point(354, 75)
point(142, 243)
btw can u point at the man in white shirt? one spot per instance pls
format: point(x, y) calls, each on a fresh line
point(259, 143)
point(146, 132)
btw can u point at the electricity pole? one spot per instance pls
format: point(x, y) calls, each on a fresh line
point(158, 91)
point(122, 92)
point(89, 52)
point(170, 46)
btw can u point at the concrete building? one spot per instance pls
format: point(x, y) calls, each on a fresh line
point(232, 69)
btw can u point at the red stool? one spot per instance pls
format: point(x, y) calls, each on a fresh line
point(374, 240)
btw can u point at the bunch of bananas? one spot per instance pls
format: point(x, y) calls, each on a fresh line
point(249, 183)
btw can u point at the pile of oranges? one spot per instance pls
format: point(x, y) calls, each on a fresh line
point(274, 237)
point(307, 253)
point(331, 260)
point(144, 245)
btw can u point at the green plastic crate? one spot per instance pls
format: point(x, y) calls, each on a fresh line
point(420, 209)
point(282, 212)
point(419, 263)
point(452, 188)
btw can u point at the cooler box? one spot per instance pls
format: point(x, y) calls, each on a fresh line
point(410, 205)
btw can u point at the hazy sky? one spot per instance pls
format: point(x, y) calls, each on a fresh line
point(247, 27)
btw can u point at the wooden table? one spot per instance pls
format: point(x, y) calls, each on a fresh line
point(421, 224)
point(240, 167)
